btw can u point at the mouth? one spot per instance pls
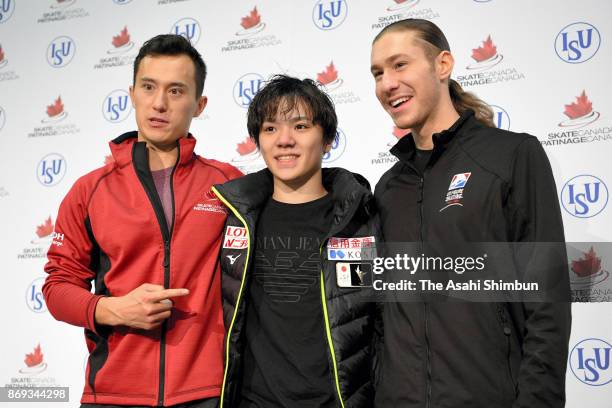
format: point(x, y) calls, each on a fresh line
point(286, 160)
point(397, 102)
point(158, 122)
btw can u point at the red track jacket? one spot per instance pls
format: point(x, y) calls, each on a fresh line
point(111, 230)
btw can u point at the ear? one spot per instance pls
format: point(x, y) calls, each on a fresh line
point(326, 148)
point(444, 65)
point(202, 101)
point(132, 95)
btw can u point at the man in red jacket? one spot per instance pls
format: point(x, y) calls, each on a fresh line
point(146, 229)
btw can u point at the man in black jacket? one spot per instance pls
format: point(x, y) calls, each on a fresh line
point(296, 263)
point(460, 180)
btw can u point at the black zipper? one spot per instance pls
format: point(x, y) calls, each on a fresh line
point(140, 158)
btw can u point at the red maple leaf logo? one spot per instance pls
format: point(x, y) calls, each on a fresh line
point(246, 147)
point(588, 265)
point(580, 108)
point(329, 75)
point(34, 358)
point(109, 159)
point(251, 20)
point(45, 229)
point(121, 39)
point(399, 133)
point(56, 108)
point(1, 54)
point(486, 51)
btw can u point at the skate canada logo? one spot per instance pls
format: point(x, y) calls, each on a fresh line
point(385, 157)
point(7, 7)
point(118, 54)
point(34, 296)
point(6, 74)
point(251, 34)
point(60, 52)
point(590, 362)
point(62, 10)
point(245, 89)
point(249, 159)
point(454, 195)
point(53, 123)
point(188, 28)
point(329, 14)
point(337, 147)
point(397, 10)
point(332, 82)
point(116, 106)
point(485, 57)
point(37, 248)
point(500, 117)
point(577, 43)
point(584, 196)
point(210, 203)
point(51, 169)
point(589, 280)
point(31, 372)
point(577, 126)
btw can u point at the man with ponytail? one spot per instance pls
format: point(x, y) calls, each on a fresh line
point(460, 180)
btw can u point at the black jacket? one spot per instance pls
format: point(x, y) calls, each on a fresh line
point(465, 354)
point(349, 317)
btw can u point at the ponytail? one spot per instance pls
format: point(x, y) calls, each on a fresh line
point(463, 100)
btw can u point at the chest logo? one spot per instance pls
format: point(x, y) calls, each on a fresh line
point(454, 195)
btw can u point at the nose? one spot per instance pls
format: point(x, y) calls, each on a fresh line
point(160, 101)
point(388, 82)
point(285, 136)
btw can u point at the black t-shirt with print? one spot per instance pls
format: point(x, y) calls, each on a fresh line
point(286, 358)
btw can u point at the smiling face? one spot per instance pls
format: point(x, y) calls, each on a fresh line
point(292, 147)
point(164, 98)
point(409, 85)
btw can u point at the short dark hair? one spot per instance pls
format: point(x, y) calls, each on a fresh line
point(290, 91)
point(172, 44)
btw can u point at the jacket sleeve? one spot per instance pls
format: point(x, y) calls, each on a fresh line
point(68, 284)
point(534, 218)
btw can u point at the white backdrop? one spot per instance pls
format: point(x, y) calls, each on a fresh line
point(65, 67)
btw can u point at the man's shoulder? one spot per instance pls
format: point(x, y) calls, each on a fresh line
point(225, 170)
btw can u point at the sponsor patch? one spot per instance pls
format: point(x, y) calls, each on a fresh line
point(235, 238)
point(358, 254)
point(353, 274)
point(350, 243)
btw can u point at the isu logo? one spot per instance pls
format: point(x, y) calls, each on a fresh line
point(245, 89)
point(577, 43)
point(188, 28)
point(329, 14)
point(60, 52)
point(590, 362)
point(584, 196)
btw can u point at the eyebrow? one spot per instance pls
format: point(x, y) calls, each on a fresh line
point(374, 67)
point(292, 119)
point(171, 84)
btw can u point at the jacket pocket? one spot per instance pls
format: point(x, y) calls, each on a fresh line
point(506, 328)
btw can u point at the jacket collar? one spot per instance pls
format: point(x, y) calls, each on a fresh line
point(251, 192)
point(405, 148)
point(122, 147)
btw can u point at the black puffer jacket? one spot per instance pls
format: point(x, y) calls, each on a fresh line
point(350, 331)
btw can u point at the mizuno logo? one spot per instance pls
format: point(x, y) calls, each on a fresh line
point(232, 259)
